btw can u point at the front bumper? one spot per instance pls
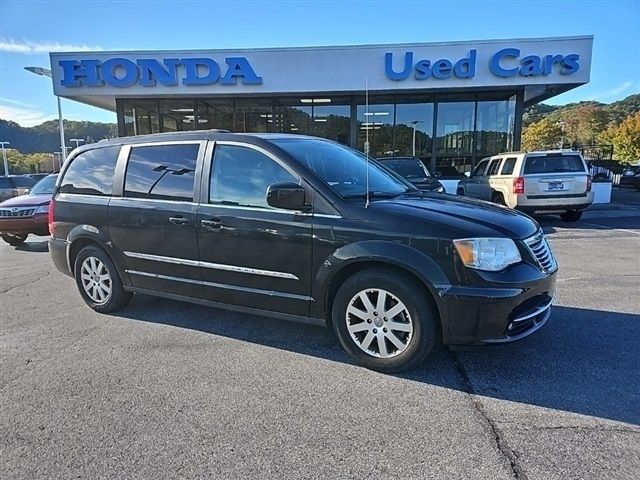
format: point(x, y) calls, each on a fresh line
point(480, 316)
point(36, 224)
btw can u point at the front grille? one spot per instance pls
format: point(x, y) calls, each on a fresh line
point(541, 251)
point(16, 212)
point(530, 318)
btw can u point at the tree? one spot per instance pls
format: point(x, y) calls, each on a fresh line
point(625, 138)
point(543, 135)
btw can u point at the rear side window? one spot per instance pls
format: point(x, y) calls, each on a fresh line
point(480, 168)
point(163, 172)
point(24, 181)
point(553, 164)
point(493, 168)
point(6, 182)
point(508, 166)
point(91, 172)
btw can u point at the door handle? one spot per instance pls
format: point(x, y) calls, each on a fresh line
point(213, 224)
point(178, 220)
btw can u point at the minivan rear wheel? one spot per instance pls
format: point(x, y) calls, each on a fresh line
point(98, 281)
point(382, 319)
point(571, 216)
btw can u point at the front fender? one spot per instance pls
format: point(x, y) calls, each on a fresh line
point(383, 253)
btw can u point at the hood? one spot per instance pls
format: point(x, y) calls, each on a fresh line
point(26, 201)
point(428, 183)
point(463, 217)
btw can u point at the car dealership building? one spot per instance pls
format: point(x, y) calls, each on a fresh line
point(448, 103)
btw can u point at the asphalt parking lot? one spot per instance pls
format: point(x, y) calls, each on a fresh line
point(171, 390)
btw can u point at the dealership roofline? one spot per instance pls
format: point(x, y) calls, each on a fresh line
point(329, 47)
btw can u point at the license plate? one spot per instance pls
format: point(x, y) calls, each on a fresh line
point(556, 185)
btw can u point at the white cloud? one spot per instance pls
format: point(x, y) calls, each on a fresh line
point(25, 116)
point(16, 102)
point(612, 92)
point(41, 46)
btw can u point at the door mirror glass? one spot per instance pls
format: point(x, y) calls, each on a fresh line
point(289, 196)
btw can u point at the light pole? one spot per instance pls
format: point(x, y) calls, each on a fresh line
point(58, 155)
point(77, 140)
point(47, 73)
point(4, 158)
point(415, 125)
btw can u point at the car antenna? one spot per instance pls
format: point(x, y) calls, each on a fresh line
point(366, 130)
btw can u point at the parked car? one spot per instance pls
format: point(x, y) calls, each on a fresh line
point(23, 183)
point(298, 228)
point(14, 185)
point(636, 181)
point(25, 214)
point(414, 170)
point(545, 182)
point(38, 176)
point(627, 179)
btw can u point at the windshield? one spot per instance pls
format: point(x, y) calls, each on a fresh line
point(409, 168)
point(554, 164)
point(344, 169)
point(44, 186)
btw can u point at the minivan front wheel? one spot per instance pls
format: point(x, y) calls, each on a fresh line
point(571, 216)
point(98, 281)
point(382, 320)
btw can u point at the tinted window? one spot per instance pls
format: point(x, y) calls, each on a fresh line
point(164, 172)
point(493, 168)
point(241, 176)
point(44, 186)
point(508, 166)
point(344, 169)
point(24, 181)
point(91, 172)
point(554, 164)
point(479, 170)
point(410, 169)
point(6, 182)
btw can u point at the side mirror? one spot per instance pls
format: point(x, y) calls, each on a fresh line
point(289, 196)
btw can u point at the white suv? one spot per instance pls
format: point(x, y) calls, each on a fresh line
point(555, 181)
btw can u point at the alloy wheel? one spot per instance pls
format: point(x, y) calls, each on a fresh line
point(96, 280)
point(379, 323)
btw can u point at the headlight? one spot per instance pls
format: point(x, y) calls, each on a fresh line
point(490, 254)
point(42, 209)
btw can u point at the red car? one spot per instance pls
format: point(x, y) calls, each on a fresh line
point(20, 216)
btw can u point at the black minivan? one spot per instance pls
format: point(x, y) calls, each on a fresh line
point(299, 228)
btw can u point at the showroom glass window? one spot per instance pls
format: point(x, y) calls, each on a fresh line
point(332, 118)
point(177, 115)
point(377, 121)
point(454, 136)
point(413, 132)
point(495, 124)
point(215, 113)
point(140, 117)
point(163, 172)
point(241, 176)
point(91, 172)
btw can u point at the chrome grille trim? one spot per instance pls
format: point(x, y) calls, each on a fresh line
point(17, 212)
point(540, 250)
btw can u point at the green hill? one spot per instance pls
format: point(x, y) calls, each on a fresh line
point(45, 137)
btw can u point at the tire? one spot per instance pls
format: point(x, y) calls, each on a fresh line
point(571, 216)
point(460, 192)
point(416, 331)
point(499, 199)
point(14, 239)
point(98, 281)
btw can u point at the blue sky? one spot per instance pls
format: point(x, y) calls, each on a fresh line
point(30, 29)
